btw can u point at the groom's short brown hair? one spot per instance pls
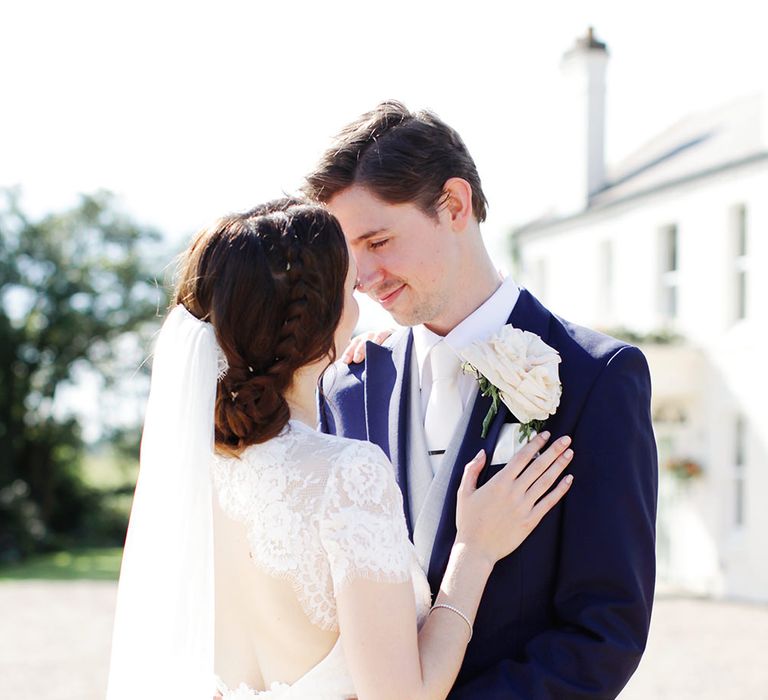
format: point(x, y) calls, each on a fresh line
point(400, 156)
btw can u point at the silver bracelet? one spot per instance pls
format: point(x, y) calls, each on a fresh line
point(458, 612)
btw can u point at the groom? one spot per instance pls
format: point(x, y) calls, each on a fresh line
point(566, 615)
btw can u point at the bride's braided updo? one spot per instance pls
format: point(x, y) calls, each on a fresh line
point(271, 282)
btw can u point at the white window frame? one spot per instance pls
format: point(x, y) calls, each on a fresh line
point(669, 272)
point(739, 472)
point(740, 247)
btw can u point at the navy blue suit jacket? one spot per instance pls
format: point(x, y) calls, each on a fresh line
point(566, 615)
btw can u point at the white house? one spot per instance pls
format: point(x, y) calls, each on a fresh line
point(669, 248)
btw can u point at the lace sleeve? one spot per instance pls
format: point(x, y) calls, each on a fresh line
point(362, 524)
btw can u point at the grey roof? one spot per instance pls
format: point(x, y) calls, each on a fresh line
point(697, 146)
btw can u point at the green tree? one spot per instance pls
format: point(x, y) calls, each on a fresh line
point(72, 284)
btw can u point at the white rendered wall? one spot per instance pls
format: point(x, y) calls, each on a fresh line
point(723, 375)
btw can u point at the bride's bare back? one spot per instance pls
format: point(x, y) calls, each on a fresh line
point(262, 633)
point(294, 520)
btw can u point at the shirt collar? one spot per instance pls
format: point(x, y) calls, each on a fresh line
point(483, 322)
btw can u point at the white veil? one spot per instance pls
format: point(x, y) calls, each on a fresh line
point(163, 637)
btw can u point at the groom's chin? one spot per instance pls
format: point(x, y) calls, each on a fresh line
point(415, 315)
point(403, 318)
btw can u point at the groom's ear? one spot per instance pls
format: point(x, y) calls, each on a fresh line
point(457, 202)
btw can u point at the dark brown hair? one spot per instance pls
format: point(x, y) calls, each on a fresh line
point(271, 282)
point(400, 156)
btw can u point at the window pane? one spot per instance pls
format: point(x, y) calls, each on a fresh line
point(671, 301)
point(739, 442)
point(670, 235)
point(739, 504)
point(668, 262)
point(741, 294)
point(741, 231)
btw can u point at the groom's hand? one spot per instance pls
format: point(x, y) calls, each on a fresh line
point(355, 351)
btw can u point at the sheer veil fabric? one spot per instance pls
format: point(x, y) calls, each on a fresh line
point(318, 510)
point(163, 638)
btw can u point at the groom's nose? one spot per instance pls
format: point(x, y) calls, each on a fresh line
point(369, 275)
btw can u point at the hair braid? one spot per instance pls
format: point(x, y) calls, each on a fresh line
point(271, 281)
point(288, 343)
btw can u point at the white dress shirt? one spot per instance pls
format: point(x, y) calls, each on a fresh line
point(482, 323)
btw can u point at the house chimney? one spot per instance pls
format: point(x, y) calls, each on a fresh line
point(582, 164)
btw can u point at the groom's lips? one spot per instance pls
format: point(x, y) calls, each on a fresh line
point(389, 298)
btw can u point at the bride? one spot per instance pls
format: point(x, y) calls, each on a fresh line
point(263, 558)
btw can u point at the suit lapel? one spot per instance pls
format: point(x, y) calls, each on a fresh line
point(387, 380)
point(530, 315)
point(527, 314)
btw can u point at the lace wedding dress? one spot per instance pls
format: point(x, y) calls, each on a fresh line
point(318, 511)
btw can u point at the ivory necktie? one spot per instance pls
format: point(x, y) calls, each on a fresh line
point(444, 407)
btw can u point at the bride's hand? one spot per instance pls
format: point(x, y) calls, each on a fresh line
point(495, 518)
point(355, 351)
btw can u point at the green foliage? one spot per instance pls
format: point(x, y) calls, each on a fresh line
point(486, 389)
point(72, 284)
point(515, 254)
point(659, 337)
point(92, 564)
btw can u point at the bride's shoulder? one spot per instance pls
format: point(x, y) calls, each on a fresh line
point(302, 454)
point(349, 465)
point(348, 450)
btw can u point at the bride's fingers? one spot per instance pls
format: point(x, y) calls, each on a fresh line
point(349, 352)
point(377, 337)
point(543, 461)
point(550, 500)
point(359, 353)
point(381, 336)
point(549, 477)
point(522, 457)
point(355, 351)
point(471, 473)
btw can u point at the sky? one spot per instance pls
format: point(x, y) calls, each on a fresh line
point(191, 110)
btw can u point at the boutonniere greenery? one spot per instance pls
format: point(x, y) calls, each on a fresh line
point(519, 369)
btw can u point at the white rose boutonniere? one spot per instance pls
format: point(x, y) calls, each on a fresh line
point(518, 368)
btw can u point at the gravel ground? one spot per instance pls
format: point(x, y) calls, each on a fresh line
point(55, 639)
point(700, 649)
point(55, 646)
